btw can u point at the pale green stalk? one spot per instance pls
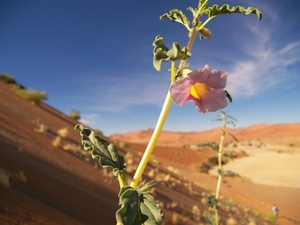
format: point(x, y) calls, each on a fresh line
point(220, 153)
point(121, 180)
point(161, 120)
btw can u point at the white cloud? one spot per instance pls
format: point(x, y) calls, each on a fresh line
point(88, 119)
point(264, 64)
point(137, 89)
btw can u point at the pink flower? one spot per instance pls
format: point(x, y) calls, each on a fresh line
point(204, 87)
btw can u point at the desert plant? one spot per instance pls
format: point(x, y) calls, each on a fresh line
point(7, 78)
point(204, 87)
point(203, 168)
point(74, 115)
point(31, 95)
point(213, 161)
point(123, 144)
point(214, 200)
point(292, 145)
point(272, 217)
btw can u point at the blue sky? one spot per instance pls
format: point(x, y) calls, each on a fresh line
point(96, 57)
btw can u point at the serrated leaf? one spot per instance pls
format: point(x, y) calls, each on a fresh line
point(106, 153)
point(193, 10)
point(215, 10)
point(177, 15)
point(137, 208)
point(203, 4)
point(162, 53)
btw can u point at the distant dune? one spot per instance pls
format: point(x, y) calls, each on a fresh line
point(272, 132)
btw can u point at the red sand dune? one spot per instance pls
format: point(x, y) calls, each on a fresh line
point(259, 131)
point(60, 184)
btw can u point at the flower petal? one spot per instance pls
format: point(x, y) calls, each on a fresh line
point(180, 91)
point(217, 79)
point(200, 76)
point(214, 100)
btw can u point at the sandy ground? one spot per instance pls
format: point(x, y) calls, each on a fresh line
point(59, 184)
point(268, 167)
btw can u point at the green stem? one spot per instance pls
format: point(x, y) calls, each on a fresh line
point(152, 142)
point(121, 179)
point(206, 22)
point(220, 153)
point(161, 120)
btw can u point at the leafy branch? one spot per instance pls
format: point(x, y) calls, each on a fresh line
point(106, 153)
point(215, 10)
point(162, 53)
point(226, 119)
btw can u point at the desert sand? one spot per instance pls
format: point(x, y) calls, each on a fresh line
point(268, 167)
point(46, 177)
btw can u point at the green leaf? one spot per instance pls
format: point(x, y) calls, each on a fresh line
point(146, 187)
point(229, 173)
point(177, 15)
point(232, 135)
point(209, 218)
point(226, 203)
point(138, 207)
point(215, 10)
point(221, 172)
point(211, 145)
point(228, 154)
point(212, 201)
point(100, 148)
point(162, 53)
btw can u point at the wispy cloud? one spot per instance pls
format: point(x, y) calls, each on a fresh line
point(88, 119)
point(260, 63)
point(264, 65)
point(116, 94)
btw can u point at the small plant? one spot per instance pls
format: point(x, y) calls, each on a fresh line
point(124, 144)
point(213, 201)
point(203, 168)
point(7, 78)
point(31, 95)
point(257, 212)
point(74, 115)
point(272, 217)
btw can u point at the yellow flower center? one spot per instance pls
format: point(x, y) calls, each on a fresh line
point(198, 90)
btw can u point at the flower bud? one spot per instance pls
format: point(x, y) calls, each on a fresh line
point(185, 71)
point(205, 33)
